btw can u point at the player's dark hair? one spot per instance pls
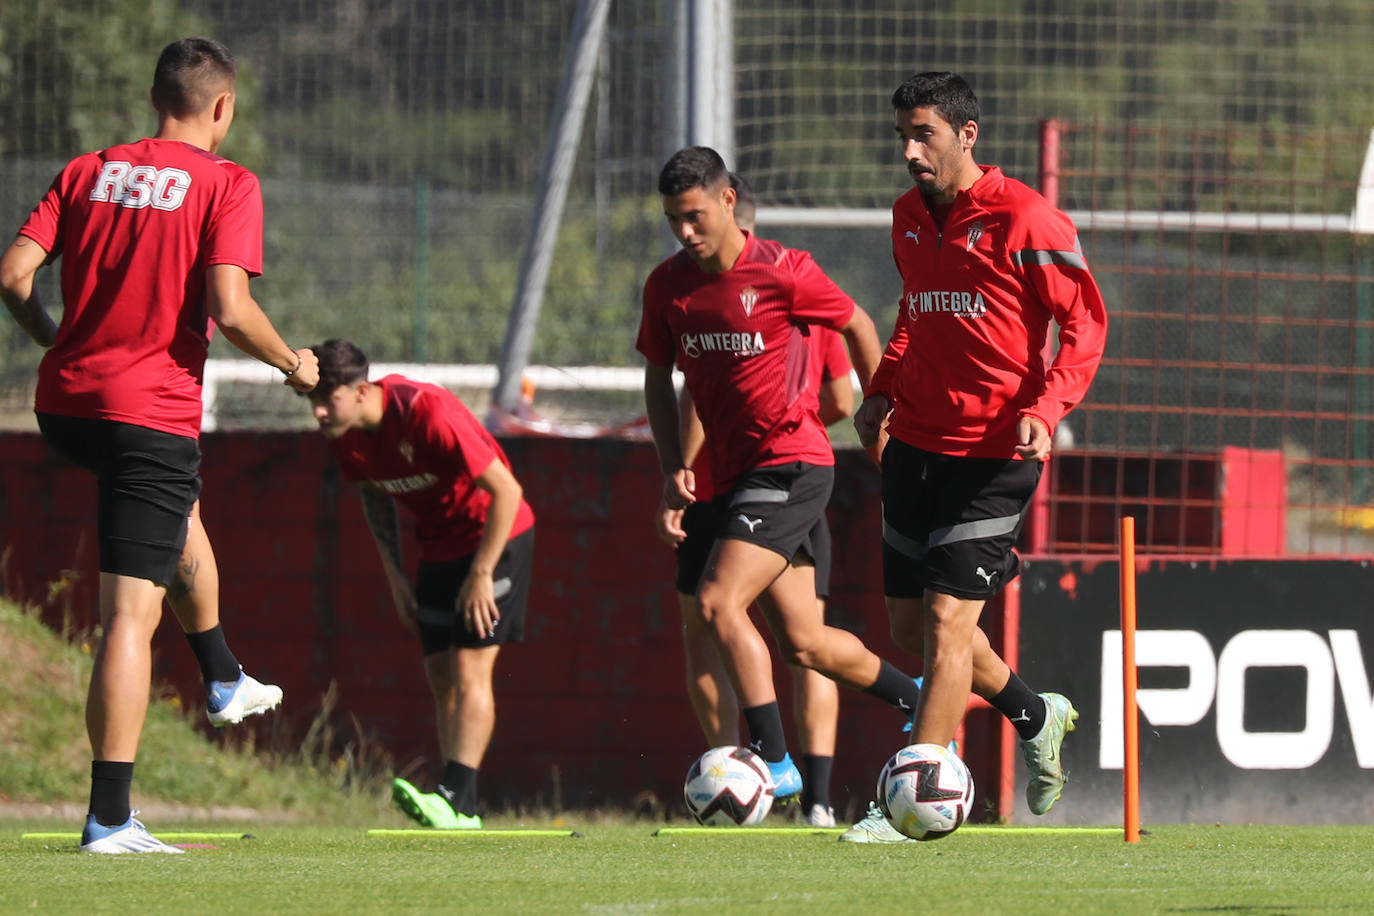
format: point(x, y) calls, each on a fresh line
point(693, 167)
point(948, 93)
point(341, 363)
point(746, 203)
point(190, 73)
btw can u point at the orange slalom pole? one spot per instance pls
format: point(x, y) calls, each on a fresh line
point(1130, 774)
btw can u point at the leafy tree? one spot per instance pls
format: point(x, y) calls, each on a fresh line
point(75, 76)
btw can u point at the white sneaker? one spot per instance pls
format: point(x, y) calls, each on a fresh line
point(874, 828)
point(130, 836)
point(230, 703)
point(820, 816)
point(1041, 753)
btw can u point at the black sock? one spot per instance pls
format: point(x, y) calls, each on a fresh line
point(212, 653)
point(815, 780)
point(459, 786)
point(895, 689)
point(110, 781)
point(1022, 707)
point(765, 731)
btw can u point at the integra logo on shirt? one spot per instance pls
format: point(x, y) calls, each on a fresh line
point(740, 343)
point(407, 484)
point(956, 302)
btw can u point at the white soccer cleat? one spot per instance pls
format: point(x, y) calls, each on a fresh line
point(130, 836)
point(874, 828)
point(230, 703)
point(820, 816)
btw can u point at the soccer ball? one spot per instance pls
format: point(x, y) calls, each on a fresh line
point(925, 791)
point(729, 786)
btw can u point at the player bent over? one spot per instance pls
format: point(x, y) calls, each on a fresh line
point(158, 239)
point(987, 264)
point(733, 312)
point(417, 444)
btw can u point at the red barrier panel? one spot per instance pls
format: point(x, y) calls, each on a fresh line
point(591, 707)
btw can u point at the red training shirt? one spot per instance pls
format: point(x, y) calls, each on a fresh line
point(829, 360)
point(137, 225)
point(740, 339)
point(427, 453)
point(965, 359)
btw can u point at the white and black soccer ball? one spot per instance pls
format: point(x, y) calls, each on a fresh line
point(729, 786)
point(925, 791)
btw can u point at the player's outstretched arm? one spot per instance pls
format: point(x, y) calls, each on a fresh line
point(18, 266)
point(247, 327)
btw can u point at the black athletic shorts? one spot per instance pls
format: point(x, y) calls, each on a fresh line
point(699, 521)
point(147, 482)
point(781, 507)
point(436, 593)
point(949, 523)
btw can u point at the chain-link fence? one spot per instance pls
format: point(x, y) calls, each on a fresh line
point(400, 142)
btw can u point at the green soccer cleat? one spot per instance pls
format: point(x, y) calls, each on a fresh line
point(1046, 782)
point(874, 828)
point(430, 808)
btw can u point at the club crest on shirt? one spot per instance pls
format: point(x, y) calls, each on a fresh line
point(749, 297)
point(975, 232)
point(407, 452)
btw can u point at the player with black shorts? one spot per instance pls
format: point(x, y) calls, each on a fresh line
point(158, 239)
point(418, 445)
point(815, 698)
point(970, 405)
point(733, 312)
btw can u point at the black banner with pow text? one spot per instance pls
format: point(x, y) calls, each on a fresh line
point(1254, 688)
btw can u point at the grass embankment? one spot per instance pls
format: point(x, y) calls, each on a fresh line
point(45, 757)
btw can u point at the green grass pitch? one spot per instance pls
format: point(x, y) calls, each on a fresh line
point(626, 868)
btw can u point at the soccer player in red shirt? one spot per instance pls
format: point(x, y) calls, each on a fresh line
point(158, 240)
point(971, 407)
point(690, 531)
point(416, 444)
point(733, 312)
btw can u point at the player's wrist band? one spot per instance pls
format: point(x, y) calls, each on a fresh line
point(290, 372)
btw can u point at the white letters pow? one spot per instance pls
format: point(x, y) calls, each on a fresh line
point(1223, 678)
